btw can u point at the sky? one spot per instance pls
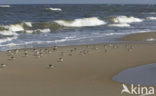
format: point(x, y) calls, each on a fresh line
point(77, 1)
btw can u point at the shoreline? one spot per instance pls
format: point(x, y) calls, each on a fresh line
point(144, 37)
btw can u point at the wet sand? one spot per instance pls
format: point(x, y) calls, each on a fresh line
point(70, 71)
point(147, 36)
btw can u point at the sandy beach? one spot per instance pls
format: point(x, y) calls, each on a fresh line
point(85, 70)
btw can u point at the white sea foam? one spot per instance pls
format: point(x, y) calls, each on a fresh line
point(151, 18)
point(29, 24)
point(29, 31)
point(54, 9)
point(15, 27)
point(11, 44)
point(83, 22)
point(4, 5)
point(8, 39)
point(47, 30)
point(9, 36)
point(120, 25)
point(54, 41)
point(125, 19)
point(8, 33)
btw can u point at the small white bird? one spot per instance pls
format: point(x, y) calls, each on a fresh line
point(3, 65)
point(51, 66)
point(55, 48)
point(60, 60)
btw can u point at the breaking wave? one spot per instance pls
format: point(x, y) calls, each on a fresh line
point(83, 22)
point(53, 9)
point(151, 18)
point(8, 32)
point(4, 5)
point(124, 19)
point(120, 25)
point(55, 41)
point(8, 39)
point(47, 30)
point(16, 27)
point(45, 27)
point(11, 31)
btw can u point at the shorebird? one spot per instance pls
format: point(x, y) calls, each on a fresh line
point(85, 51)
point(9, 51)
point(16, 51)
point(49, 51)
point(55, 48)
point(46, 49)
point(41, 50)
point(129, 49)
point(34, 50)
point(37, 53)
point(2, 65)
point(75, 49)
point(96, 48)
point(110, 45)
point(12, 58)
point(41, 54)
point(105, 46)
point(80, 53)
point(26, 54)
point(60, 60)
point(51, 66)
point(71, 50)
point(132, 47)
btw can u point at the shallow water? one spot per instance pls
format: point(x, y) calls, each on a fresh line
point(143, 75)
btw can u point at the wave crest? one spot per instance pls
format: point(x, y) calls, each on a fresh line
point(83, 22)
point(120, 25)
point(125, 19)
point(151, 18)
point(53, 9)
point(47, 30)
point(4, 5)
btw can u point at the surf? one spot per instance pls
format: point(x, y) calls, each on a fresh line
point(53, 9)
point(5, 6)
point(125, 19)
point(82, 22)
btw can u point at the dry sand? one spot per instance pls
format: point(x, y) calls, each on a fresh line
point(82, 70)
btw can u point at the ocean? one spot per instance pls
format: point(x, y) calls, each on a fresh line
point(28, 26)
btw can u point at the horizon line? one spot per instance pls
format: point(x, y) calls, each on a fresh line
point(76, 3)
